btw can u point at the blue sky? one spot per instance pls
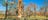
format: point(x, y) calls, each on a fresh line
point(38, 2)
point(26, 3)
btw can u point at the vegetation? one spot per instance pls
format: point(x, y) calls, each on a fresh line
point(13, 12)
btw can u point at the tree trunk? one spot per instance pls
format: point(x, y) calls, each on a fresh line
point(45, 11)
point(6, 11)
point(35, 12)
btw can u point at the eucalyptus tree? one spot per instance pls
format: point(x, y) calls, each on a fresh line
point(6, 5)
point(34, 10)
point(34, 6)
point(42, 9)
point(46, 5)
point(11, 5)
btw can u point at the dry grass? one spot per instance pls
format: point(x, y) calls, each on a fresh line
point(28, 18)
point(2, 16)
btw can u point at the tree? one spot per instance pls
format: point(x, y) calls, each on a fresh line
point(6, 4)
point(33, 6)
point(34, 10)
point(42, 10)
point(46, 5)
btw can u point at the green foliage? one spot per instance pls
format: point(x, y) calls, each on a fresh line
point(4, 4)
